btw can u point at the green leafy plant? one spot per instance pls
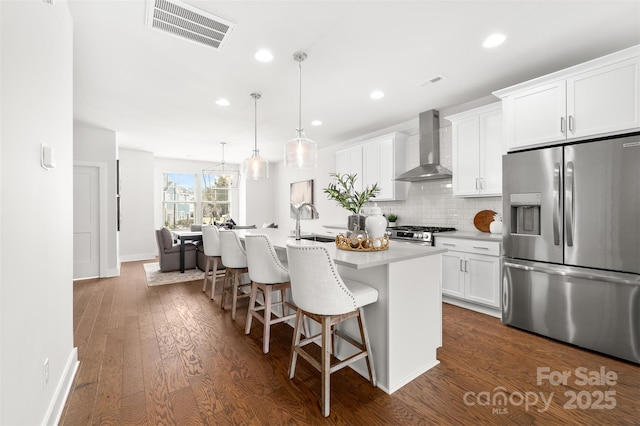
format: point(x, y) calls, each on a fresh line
point(343, 192)
point(392, 217)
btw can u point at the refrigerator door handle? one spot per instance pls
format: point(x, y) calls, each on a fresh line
point(569, 203)
point(566, 272)
point(556, 204)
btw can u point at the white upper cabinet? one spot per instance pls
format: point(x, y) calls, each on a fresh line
point(598, 97)
point(349, 161)
point(478, 146)
point(378, 161)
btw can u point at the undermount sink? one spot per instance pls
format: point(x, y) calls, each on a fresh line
point(318, 238)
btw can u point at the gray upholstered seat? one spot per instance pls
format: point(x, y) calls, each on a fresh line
point(169, 253)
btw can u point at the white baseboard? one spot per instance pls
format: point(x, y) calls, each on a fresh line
point(136, 257)
point(494, 312)
point(52, 416)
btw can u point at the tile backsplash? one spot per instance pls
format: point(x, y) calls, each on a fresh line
point(431, 203)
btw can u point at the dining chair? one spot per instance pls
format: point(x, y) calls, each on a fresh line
point(268, 274)
point(322, 295)
point(234, 260)
point(213, 253)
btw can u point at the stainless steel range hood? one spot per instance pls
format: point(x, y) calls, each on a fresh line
point(430, 167)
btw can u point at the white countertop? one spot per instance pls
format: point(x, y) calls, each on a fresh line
point(398, 251)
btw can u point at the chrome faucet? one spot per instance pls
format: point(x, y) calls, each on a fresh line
point(297, 210)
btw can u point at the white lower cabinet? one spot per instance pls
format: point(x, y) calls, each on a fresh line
point(471, 270)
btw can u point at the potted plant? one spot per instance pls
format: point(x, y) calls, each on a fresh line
point(392, 218)
point(343, 192)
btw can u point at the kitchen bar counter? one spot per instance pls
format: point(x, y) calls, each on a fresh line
point(405, 324)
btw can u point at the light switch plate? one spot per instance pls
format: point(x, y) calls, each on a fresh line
point(47, 157)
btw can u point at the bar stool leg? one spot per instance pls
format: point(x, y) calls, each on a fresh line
point(214, 274)
point(236, 283)
point(326, 365)
point(266, 335)
point(225, 286)
point(206, 275)
point(295, 343)
point(252, 305)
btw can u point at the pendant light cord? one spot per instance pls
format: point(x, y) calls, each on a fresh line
point(255, 146)
point(300, 129)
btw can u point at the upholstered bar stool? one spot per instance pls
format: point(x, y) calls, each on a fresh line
point(322, 295)
point(234, 259)
point(268, 274)
point(213, 253)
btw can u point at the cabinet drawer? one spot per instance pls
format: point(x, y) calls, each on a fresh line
point(490, 248)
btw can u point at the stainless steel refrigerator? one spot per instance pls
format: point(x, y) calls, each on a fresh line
point(571, 241)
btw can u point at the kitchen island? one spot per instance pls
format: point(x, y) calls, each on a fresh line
point(405, 324)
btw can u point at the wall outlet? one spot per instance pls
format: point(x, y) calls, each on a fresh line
point(45, 372)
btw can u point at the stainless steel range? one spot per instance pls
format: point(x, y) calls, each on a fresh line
point(418, 234)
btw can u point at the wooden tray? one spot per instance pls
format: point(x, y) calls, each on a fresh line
point(483, 219)
point(364, 244)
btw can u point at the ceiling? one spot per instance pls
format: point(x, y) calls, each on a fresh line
point(158, 92)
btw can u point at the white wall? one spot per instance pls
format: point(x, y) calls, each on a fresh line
point(258, 200)
point(93, 144)
point(137, 238)
point(36, 266)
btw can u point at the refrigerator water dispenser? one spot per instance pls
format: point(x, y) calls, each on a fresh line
point(525, 213)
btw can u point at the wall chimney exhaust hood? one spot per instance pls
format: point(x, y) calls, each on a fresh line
point(429, 145)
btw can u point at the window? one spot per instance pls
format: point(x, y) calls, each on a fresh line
point(185, 201)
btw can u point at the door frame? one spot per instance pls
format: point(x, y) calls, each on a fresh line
point(102, 210)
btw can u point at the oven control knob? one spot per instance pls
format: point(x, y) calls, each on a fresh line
point(417, 235)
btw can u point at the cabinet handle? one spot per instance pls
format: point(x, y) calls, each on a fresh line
point(461, 268)
point(476, 183)
point(571, 123)
point(448, 244)
point(465, 266)
point(481, 248)
point(562, 129)
point(481, 183)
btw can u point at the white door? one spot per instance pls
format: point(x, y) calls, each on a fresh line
point(453, 274)
point(483, 279)
point(466, 154)
point(604, 100)
point(86, 222)
point(536, 116)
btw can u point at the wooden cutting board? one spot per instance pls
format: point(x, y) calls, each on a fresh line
point(482, 220)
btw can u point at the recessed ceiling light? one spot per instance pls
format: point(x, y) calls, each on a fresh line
point(263, 55)
point(494, 40)
point(376, 94)
point(316, 123)
point(223, 102)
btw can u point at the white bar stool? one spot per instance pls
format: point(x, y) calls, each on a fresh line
point(322, 295)
point(211, 246)
point(234, 260)
point(268, 274)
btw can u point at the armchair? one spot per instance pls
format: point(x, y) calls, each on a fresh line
point(169, 254)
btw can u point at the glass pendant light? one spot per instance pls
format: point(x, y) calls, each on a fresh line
point(256, 167)
point(300, 152)
point(220, 177)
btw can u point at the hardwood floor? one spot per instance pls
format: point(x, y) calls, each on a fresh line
point(169, 355)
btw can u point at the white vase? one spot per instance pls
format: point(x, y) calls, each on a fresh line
point(376, 223)
point(495, 227)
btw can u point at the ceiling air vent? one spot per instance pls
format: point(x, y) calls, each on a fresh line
point(187, 22)
point(432, 80)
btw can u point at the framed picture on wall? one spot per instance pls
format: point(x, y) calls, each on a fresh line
point(302, 192)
